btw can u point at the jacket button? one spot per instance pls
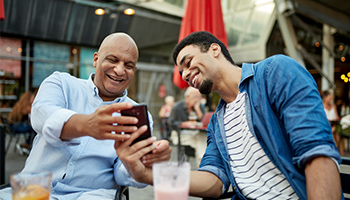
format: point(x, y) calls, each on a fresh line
point(234, 188)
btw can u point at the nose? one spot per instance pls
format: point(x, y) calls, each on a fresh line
point(119, 68)
point(186, 75)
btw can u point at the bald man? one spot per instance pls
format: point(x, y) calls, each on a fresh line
point(183, 108)
point(76, 124)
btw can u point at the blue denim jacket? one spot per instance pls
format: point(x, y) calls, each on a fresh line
point(285, 113)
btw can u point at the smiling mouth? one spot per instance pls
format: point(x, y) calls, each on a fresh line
point(115, 78)
point(194, 80)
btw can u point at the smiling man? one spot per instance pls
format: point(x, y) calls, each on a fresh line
point(269, 137)
point(76, 124)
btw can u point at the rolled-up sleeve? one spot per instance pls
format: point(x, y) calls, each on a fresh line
point(48, 114)
point(212, 162)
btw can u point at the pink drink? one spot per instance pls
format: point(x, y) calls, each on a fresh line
point(171, 181)
point(168, 192)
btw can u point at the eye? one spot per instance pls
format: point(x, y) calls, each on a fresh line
point(188, 63)
point(111, 60)
point(130, 66)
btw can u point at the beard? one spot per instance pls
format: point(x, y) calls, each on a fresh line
point(205, 87)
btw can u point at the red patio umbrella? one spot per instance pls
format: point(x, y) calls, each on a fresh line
point(2, 10)
point(201, 15)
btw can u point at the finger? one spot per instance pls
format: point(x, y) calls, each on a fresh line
point(164, 155)
point(161, 145)
point(117, 144)
point(124, 120)
point(116, 137)
point(136, 134)
point(117, 107)
point(150, 162)
point(143, 144)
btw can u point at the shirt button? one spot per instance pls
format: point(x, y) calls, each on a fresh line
point(71, 163)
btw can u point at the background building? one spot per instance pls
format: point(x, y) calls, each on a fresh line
point(38, 37)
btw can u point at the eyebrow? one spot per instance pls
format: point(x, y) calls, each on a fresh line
point(183, 59)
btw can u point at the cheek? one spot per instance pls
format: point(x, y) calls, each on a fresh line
point(130, 73)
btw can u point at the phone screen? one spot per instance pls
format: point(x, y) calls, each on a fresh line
point(140, 112)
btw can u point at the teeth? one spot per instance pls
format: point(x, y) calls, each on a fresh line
point(194, 80)
point(115, 79)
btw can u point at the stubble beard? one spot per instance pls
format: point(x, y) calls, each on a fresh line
point(205, 87)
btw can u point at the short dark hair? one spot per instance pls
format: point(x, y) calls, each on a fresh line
point(325, 93)
point(203, 40)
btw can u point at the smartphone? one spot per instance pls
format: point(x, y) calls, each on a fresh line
point(140, 112)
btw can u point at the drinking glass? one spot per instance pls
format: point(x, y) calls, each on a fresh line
point(171, 181)
point(31, 186)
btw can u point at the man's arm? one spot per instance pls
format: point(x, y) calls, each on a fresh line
point(205, 184)
point(99, 124)
point(322, 179)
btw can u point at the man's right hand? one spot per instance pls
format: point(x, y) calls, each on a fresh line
point(101, 124)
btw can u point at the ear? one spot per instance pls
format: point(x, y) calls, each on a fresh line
point(216, 49)
point(94, 63)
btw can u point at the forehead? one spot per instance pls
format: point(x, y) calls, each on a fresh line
point(187, 51)
point(121, 49)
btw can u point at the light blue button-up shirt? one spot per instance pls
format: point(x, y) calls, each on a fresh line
point(81, 164)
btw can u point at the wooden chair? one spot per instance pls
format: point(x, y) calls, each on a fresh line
point(344, 176)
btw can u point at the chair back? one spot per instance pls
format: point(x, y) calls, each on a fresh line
point(206, 118)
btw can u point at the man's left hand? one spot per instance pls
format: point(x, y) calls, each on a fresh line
point(136, 158)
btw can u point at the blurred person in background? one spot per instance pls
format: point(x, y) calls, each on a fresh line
point(164, 114)
point(19, 120)
point(188, 111)
point(333, 117)
point(166, 108)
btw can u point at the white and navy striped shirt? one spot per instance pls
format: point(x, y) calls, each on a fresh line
point(256, 176)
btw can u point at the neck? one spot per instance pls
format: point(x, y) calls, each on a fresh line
point(228, 86)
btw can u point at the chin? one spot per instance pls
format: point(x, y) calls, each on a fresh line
point(205, 87)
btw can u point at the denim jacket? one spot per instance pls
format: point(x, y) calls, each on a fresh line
point(285, 113)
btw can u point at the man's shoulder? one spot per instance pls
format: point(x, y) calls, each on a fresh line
point(64, 77)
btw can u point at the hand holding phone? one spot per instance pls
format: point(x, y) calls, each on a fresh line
point(140, 112)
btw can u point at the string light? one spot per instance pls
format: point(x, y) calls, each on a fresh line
point(345, 78)
point(129, 11)
point(317, 44)
point(99, 11)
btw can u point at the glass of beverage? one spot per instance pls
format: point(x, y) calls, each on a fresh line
point(192, 117)
point(31, 186)
point(171, 181)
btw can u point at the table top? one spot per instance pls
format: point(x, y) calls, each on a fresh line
point(196, 127)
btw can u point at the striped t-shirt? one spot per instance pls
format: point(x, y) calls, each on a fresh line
point(256, 176)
